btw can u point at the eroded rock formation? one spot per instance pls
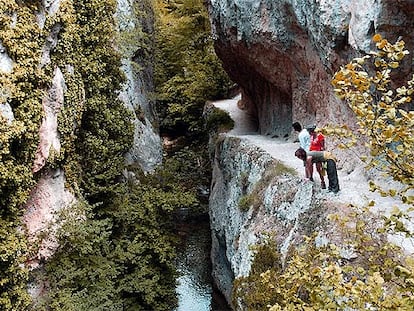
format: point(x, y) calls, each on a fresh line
point(283, 53)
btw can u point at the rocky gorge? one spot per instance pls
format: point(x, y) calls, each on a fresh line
point(283, 55)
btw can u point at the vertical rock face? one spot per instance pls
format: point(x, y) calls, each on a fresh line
point(253, 194)
point(137, 66)
point(48, 198)
point(283, 53)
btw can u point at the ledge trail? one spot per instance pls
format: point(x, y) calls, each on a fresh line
point(354, 185)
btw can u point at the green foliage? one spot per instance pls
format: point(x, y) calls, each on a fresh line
point(106, 132)
point(245, 202)
point(121, 262)
point(250, 290)
point(384, 123)
point(104, 261)
point(187, 70)
point(189, 169)
point(115, 250)
point(219, 120)
point(22, 90)
point(373, 274)
point(13, 294)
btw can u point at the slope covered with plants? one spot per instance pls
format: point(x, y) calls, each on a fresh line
point(187, 75)
point(188, 72)
point(116, 245)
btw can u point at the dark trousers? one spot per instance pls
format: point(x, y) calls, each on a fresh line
point(332, 176)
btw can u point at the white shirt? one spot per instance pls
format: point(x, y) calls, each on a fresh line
point(304, 139)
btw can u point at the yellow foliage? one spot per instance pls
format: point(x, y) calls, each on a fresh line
point(381, 112)
point(377, 38)
point(319, 278)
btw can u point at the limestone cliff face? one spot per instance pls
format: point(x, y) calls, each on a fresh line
point(283, 53)
point(253, 194)
point(138, 68)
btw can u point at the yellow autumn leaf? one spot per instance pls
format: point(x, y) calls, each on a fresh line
point(377, 38)
point(394, 65)
point(382, 44)
point(399, 56)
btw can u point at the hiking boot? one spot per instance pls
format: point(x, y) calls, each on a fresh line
point(323, 185)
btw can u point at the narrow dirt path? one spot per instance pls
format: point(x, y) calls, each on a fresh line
point(354, 186)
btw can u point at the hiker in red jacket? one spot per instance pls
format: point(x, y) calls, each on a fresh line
point(317, 143)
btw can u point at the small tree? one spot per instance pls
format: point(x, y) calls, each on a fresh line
point(381, 111)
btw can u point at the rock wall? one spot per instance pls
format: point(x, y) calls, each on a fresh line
point(253, 194)
point(283, 53)
point(138, 68)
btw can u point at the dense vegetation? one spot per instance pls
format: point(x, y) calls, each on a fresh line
point(123, 261)
point(375, 275)
point(116, 246)
point(18, 143)
point(188, 73)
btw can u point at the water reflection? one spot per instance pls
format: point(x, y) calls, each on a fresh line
point(195, 290)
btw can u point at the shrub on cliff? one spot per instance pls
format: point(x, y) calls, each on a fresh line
point(364, 273)
point(218, 120)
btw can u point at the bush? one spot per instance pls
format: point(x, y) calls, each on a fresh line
point(218, 120)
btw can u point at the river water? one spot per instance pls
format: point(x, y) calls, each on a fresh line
point(195, 285)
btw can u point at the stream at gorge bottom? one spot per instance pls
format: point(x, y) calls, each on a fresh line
point(195, 284)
